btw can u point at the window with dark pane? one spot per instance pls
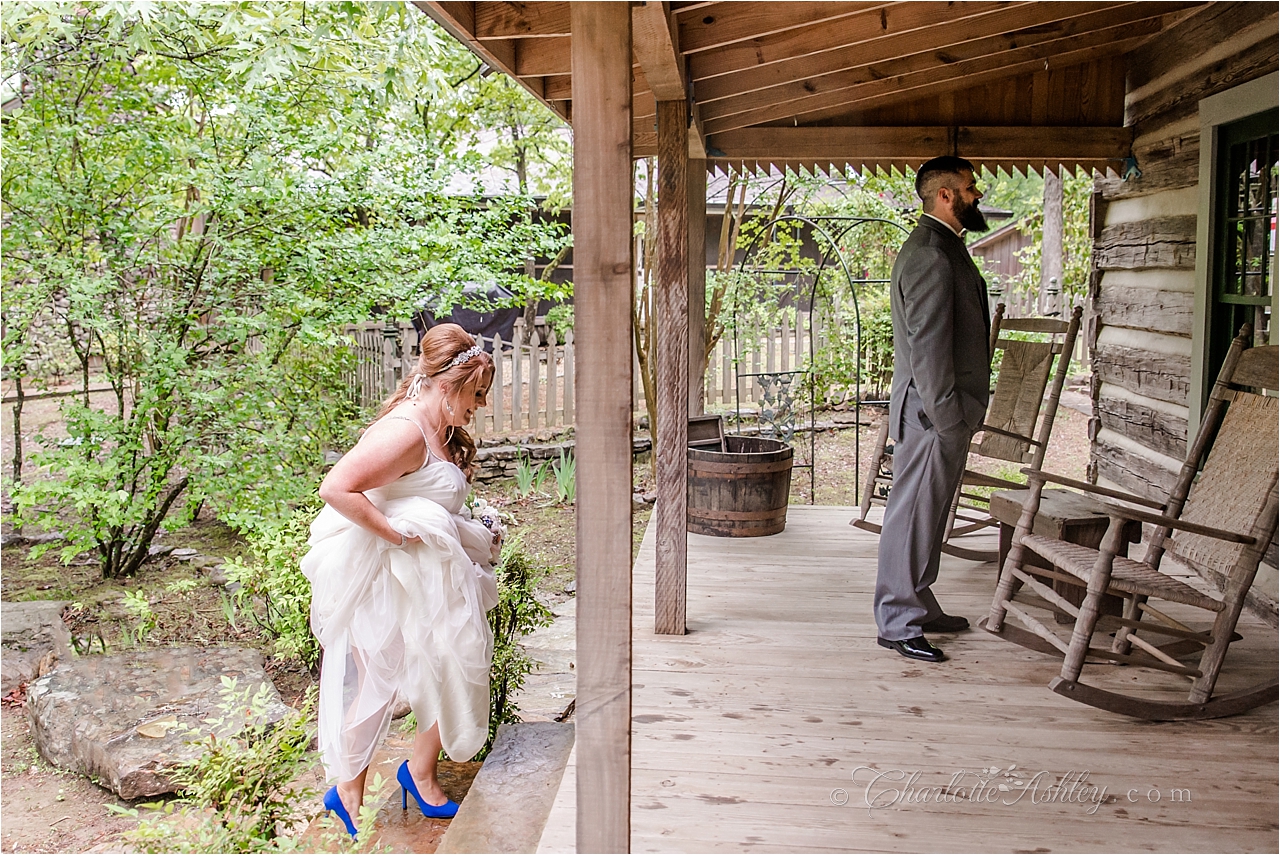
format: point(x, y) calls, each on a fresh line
point(1245, 242)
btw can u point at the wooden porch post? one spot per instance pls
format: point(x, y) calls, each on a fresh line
point(602, 193)
point(671, 313)
point(697, 283)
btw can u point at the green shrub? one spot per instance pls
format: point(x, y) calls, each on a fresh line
point(560, 319)
point(273, 574)
point(518, 612)
point(838, 366)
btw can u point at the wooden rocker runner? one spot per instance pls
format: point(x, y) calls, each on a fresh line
point(1218, 524)
point(1007, 431)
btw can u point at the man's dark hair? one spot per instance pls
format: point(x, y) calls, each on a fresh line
point(935, 173)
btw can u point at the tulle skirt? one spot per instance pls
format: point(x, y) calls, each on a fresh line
point(400, 622)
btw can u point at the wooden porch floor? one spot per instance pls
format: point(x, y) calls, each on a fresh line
point(748, 732)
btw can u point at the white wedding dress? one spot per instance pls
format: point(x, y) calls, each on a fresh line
point(403, 621)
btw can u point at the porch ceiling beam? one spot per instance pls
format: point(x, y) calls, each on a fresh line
point(521, 20)
point(654, 42)
point(697, 136)
point(458, 19)
point(644, 140)
point(656, 46)
point(541, 57)
point(984, 34)
point(728, 23)
point(920, 143)
point(559, 87)
point(681, 7)
point(816, 38)
point(847, 88)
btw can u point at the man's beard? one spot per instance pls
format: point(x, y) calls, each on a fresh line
point(969, 216)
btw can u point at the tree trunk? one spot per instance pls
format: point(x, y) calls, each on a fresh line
point(129, 565)
point(642, 307)
point(530, 307)
point(1051, 248)
point(17, 428)
point(730, 226)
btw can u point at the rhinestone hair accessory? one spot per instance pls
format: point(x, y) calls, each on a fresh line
point(466, 356)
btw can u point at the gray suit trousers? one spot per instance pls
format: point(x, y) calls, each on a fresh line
point(927, 467)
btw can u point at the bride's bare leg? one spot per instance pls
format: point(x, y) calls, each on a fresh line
point(352, 794)
point(423, 763)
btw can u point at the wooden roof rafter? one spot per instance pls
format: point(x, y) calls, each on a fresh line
point(1119, 33)
point(656, 47)
point(883, 21)
point(970, 33)
point(886, 65)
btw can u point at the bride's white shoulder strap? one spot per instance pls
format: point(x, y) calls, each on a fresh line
point(420, 430)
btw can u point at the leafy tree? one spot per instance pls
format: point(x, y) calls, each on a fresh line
point(208, 192)
point(531, 143)
point(1077, 246)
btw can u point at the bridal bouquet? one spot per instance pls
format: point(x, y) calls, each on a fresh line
point(491, 518)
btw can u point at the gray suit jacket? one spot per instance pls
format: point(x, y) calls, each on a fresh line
point(941, 327)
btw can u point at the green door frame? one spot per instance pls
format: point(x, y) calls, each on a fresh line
point(1216, 112)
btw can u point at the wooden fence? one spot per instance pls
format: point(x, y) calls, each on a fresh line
point(533, 383)
point(785, 349)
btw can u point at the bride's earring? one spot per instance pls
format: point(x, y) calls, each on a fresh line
point(448, 406)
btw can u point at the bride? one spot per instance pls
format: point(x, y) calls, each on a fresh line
point(401, 580)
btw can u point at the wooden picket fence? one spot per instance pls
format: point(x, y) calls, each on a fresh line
point(532, 383)
point(785, 349)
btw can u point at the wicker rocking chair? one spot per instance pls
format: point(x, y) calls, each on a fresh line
point(1026, 368)
point(1217, 522)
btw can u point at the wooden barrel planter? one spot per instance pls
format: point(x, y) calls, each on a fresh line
point(741, 492)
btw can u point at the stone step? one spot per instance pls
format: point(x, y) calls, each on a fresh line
point(511, 797)
point(395, 829)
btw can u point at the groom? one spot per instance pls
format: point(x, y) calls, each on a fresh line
point(941, 381)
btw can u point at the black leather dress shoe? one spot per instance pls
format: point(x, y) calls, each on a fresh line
point(915, 648)
point(946, 623)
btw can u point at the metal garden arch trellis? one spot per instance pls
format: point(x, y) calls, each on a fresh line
point(776, 385)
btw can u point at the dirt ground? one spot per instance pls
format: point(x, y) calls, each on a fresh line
point(48, 810)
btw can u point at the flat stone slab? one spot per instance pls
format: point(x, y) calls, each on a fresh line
point(511, 797)
point(553, 684)
point(33, 639)
point(125, 719)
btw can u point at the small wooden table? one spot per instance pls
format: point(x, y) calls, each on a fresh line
point(1065, 515)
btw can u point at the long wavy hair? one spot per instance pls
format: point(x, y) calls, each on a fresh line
point(439, 347)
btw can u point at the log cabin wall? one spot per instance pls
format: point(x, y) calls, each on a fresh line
point(1143, 286)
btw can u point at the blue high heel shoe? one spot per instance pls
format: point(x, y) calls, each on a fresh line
point(408, 787)
point(333, 803)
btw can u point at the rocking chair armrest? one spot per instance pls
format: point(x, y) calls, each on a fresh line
point(986, 428)
point(1173, 522)
point(981, 479)
point(1042, 476)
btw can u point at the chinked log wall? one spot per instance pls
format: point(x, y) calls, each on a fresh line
point(1143, 283)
